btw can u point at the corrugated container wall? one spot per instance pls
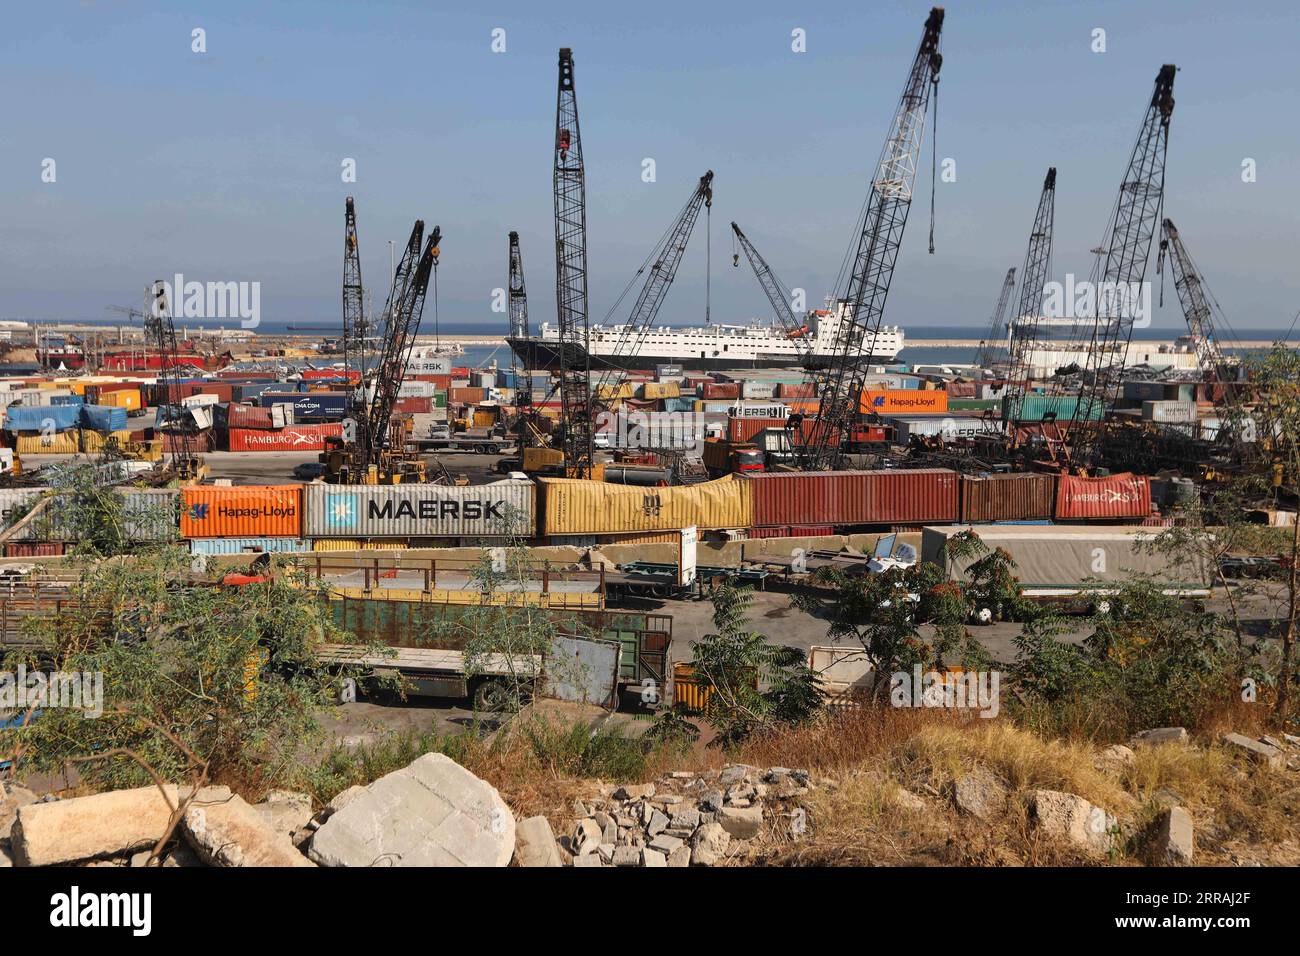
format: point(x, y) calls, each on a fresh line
point(1007, 497)
point(405, 511)
point(295, 438)
point(573, 506)
point(241, 512)
point(212, 546)
point(1117, 496)
point(855, 497)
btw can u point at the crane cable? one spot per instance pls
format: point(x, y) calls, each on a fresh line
point(934, 153)
point(708, 259)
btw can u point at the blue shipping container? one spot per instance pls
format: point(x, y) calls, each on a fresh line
point(309, 405)
point(103, 418)
point(36, 418)
point(68, 400)
point(211, 546)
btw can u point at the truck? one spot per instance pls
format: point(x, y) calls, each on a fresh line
point(1077, 567)
point(482, 441)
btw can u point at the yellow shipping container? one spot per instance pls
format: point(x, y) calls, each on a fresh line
point(571, 506)
point(128, 398)
point(59, 443)
point(355, 544)
point(608, 393)
point(93, 441)
point(654, 390)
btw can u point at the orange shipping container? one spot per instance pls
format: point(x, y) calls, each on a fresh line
point(904, 400)
point(246, 511)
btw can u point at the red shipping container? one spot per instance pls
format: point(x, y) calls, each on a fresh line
point(223, 390)
point(414, 405)
point(199, 442)
point(1008, 497)
point(294, 438)
point(248, 416)
point(440, 382)
point(1117, 496)
point(791, 390)
point(917, 496)
point(744, 429)
point(33, 549)
point(720, 390)
point(349, 375)
point(802, 531)
point(465, 395)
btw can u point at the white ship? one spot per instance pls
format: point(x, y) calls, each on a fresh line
point(756, 345)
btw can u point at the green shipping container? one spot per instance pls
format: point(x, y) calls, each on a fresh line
point(973, 404)
point(440, 400)
point(1036, 406)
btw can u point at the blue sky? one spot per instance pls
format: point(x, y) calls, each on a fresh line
point(226, 165)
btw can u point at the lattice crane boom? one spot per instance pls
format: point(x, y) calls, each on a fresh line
point(775, 290)
point(1194, 299)
point(877, 248)
point(1033, 279)
point(984, 357)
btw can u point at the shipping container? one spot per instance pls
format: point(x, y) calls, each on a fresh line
point(309, 405)
point(431, 365)
point(575, 506)
point(103, 418)
point(215, 546)
point(746, 429)
point(43, 418)
point(904, 401)
point(758, 390)
point(58, 443)
point(1065, 407)
point(713, 390)
point(855, 497)
point(1063, 558)
point(758, 410)
point(416, 405)
point(413, 388)
point(223, 390)
point(93, 442)
point(498, 509)
point(1008, 497)
point(242, 511)
point(249, 416)
point(17, 502)
point(33, 549)
point(947, 427)
point(796, 390)
point(358, 544)
point(294, 438)
point(1168, 412)
point(1117, 496)
point(466, 396)
point(653, 391)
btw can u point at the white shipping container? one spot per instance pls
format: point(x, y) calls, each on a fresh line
point(947, 426)
point(1168, 412)
point(758, 390)
point(420, 511)
point(436, 365)
point(759, 410)
point(414, 388)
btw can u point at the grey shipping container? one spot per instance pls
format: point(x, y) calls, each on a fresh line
point(1056, 558)
point(499, 509)
point(947, 426)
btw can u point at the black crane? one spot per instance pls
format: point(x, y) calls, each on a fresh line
point(989, 345)
point(1127, 248)
point(777, 294)
point(573, 359)
point(161, 330)
point(1195, 301)
point(373, 459)
point(662, 263)
point(355, 331)
point(877, 244)
point(518, 307)
point(1033, 280)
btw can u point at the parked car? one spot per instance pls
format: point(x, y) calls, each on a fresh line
point(308, 471)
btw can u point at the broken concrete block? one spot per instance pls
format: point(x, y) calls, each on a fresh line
point(587, 837)
point(680, 857)
point(83, 828)
point(709, 845)
point(535, 843)
point(1115, 757)
point(686, 819)
point(589, 860)
point(742, 823)
point(1175, 836)
point(1260, 752)
point(627, 856)
point(657, 825)
point(12, 798)
point(433, 812)
point(653, 859)
point(285, 811)
point(665, 843)
point(1072, 818)
point(232, 833)
point(980, 794)
point(635, 792)
point(1161, 735)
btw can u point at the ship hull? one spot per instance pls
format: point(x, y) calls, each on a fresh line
point(539, 355)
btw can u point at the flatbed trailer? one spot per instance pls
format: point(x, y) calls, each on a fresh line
point(435, 672)
point(659, 580)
